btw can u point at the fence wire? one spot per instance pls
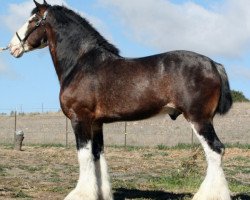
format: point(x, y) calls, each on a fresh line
point(52, 128)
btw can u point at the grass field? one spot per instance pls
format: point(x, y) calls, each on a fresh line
point(156, 173)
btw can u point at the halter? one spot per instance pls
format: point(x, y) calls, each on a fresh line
point(38, 23)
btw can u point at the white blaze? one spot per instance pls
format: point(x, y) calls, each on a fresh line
point(16, 48)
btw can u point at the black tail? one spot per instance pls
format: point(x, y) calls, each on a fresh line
point(226, 101)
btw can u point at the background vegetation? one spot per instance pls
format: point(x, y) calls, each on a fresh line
point(238, 96)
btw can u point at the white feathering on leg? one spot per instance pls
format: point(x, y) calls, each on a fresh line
point(215, 186)
point(103, 179)
point(86, 188)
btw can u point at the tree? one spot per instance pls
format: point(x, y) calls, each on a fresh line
point(12, 113)
point(238, 96)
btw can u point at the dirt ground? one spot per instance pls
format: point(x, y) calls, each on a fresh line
point(137, 173)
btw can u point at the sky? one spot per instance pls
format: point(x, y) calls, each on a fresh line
point(219, 29)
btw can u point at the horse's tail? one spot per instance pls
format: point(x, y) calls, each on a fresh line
point(226, 101)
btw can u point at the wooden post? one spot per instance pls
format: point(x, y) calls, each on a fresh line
point(125, 135)
point(15, 127)
point(192, 138)
point(19, 140)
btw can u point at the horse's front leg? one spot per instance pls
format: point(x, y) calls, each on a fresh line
point(86, 188)
point(103, 181)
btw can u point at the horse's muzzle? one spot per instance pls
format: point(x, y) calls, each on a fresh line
point(17, 50)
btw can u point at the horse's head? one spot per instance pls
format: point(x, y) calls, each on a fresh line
point(32, 35)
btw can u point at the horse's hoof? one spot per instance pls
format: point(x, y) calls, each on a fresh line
point(209, 196)
point(80, 195)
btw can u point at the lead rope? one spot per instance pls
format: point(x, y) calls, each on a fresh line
point(4, 49)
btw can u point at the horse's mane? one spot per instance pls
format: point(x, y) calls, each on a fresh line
point(62, 14)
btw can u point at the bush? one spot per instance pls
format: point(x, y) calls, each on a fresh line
point(12, 113)
point(238, 96)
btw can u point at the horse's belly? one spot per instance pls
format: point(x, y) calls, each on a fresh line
point(141, 114)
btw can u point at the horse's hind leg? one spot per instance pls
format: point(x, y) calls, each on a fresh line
point(103, 181)
point(214, 187)
point(86, 188)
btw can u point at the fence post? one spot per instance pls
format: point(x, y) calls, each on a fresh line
point(125, 135)
point(192, 138)
point(19, 140)
point(15, 127)
point(66, 132)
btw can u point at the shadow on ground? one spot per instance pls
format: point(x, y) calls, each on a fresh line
point(124, 194)
point(241, 197)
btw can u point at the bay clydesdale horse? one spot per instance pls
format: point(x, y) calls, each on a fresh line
point(100, 86)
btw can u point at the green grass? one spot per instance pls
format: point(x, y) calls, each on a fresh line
point(57, 189)
point(129, 184)
point(237, 186)
point(186, 176)
point(47, 145)
point(148, 155)
point(54, 179)
point(164, 154)
point(238, 145)
point(177, 182)
point(21, 194)
point(31, 169)
point(162, 147)
point(180, 146)
point(133, 148)
point(7, 145)
point(242, 159)
point(3, 169)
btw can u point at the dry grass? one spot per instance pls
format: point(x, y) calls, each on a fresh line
point(47, 172)
point(137, 173)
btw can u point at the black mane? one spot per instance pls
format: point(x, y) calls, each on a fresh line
point(63, 14)
point(79, 46)
point(101, 41)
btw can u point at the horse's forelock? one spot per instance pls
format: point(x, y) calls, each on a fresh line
point(34, 11)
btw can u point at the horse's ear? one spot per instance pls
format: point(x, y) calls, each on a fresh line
point(37, 4)
point(45, 2)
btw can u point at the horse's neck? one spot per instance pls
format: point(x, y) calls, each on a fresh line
point(66, 56)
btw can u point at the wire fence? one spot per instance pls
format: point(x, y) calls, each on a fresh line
point(55, 128)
